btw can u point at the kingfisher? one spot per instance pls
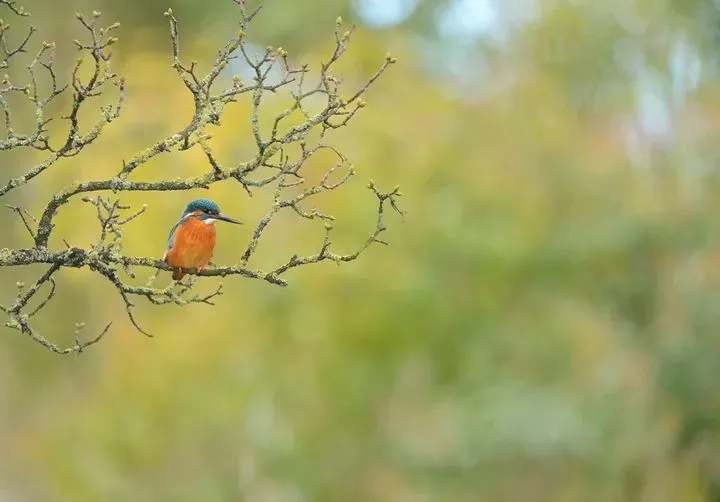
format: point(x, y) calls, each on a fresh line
point(192, 239)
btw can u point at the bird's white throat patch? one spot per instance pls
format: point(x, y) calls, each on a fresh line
point(209, 221)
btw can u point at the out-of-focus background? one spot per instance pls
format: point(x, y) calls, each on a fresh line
point(545, 325)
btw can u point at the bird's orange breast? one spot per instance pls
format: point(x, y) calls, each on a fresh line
point(193, 244)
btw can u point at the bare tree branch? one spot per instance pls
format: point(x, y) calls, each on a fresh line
point(74, 141)
point(210, 92)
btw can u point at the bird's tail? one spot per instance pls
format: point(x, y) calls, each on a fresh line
point(177, 273)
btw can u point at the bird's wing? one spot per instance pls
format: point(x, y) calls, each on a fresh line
point(171, 235)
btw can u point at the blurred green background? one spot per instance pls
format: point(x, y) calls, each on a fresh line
point(543, 327)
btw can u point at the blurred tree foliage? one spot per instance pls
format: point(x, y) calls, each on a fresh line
point(544, 326)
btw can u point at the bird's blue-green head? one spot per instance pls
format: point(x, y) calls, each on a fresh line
point(207, 211)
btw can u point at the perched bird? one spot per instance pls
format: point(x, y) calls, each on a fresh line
point(192, 239)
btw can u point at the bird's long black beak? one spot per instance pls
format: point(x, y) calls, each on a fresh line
point(223, 217)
